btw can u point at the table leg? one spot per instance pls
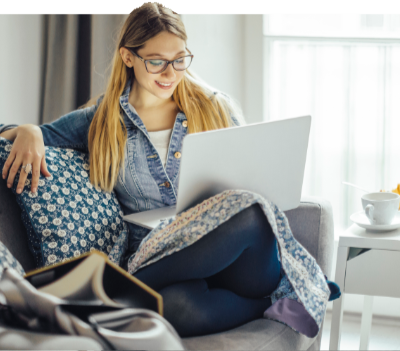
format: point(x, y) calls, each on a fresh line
point(366, 322)
point(338, 304)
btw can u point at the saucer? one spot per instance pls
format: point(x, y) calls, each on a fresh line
point(361, 219)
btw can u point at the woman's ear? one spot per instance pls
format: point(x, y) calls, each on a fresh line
point(126, 56)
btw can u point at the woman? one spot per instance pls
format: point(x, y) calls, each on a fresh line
point(133, 133)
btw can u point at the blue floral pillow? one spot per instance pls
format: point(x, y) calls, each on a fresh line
point(67, 216)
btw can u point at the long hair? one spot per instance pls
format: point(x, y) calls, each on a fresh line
point(204, 109)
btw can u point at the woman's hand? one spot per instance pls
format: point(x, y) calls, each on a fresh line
point(28, 147)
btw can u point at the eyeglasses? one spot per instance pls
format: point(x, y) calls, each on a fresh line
point(159, 66)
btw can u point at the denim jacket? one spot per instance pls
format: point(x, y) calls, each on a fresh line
point(147, 185)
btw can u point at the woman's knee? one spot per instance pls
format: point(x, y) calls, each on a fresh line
point(184, 307)
point(253, 224)
point(251, 214)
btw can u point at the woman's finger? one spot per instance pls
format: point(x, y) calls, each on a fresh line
point(44, 168)
point(7, 165)
point(22, 176)
point(35, 174)
point(13, 170)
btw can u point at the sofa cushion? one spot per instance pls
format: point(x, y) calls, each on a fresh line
point(260, 334)
point(12, 230)
point(7, 259)
point(67, 216)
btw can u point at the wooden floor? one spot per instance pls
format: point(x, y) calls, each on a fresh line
point(385, 333)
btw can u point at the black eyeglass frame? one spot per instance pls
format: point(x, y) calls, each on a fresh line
point(168, 62)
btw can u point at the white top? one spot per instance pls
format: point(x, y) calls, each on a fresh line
point(160, 140)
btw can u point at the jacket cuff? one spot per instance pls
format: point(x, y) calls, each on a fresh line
point(4, 127)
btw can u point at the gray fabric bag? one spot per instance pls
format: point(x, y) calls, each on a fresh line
point(23, 306)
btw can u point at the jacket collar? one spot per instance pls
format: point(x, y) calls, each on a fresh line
point(132, 114)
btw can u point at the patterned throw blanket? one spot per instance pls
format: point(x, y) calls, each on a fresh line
point(300, 299)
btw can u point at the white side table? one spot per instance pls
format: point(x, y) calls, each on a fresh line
point(367, 264)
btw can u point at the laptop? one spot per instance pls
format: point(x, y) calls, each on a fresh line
point(267, 158)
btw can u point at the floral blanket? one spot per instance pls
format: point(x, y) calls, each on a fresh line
point(302, 296)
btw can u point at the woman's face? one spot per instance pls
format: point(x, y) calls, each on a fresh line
point(164, 46)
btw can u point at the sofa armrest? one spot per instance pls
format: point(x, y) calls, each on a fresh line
point(312, 226)
point(12, 230)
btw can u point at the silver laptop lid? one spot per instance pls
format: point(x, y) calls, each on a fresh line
point(267, 158)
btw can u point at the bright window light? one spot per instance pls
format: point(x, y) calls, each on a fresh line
point(349, 82)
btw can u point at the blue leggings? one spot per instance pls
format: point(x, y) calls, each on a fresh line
point(221, 281)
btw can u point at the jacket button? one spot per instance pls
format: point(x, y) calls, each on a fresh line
point(184, 123)
point(167, 184)
point(177, 154)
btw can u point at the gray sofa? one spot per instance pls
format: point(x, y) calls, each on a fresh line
point(311, 224)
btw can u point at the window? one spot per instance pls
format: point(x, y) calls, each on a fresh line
point(343, 70)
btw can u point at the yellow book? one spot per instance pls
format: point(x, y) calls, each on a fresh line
point(92, 277)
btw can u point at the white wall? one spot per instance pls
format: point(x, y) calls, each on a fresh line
point(254, 68)
point(20, 68)
point(221, 45)
point(216, 43)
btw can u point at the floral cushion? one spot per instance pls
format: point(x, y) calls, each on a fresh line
point(67, 216)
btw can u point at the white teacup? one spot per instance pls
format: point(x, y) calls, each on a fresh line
point(380, 208)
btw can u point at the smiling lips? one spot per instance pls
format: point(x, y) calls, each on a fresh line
point(163, 86)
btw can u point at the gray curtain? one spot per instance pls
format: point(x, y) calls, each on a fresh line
point(77, 51)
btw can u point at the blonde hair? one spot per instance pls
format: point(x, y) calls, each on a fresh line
point(204, 110)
